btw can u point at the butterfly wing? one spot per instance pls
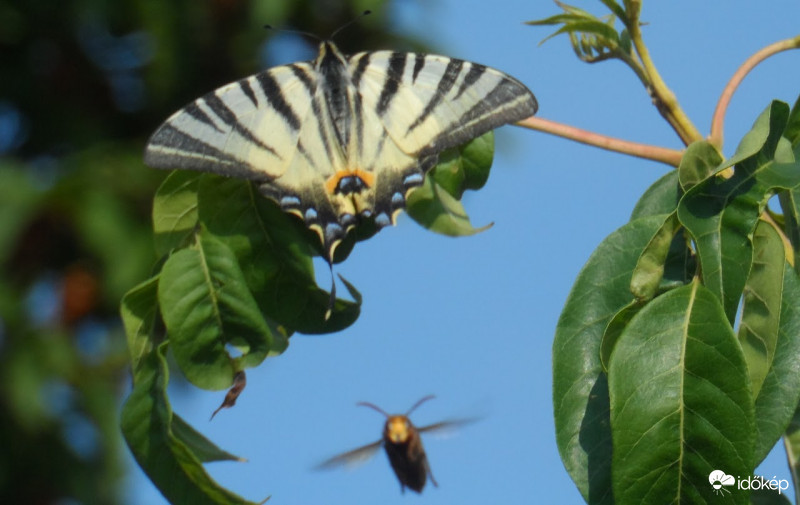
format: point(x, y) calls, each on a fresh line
point(269, 128)
point(247, 129)
point(428, 103)
point(351, 458)
point(393, 113)
point(414, 106)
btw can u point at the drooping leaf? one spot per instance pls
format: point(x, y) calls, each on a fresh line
point(650, 267)
point(436, 204)
point(698, 162)
point(175, 210)
point(680, 401)
point(206, 307)
point(465, 167)
point(164, 445)
point(274, 254)
point(721, 212)
point(202, 448)
point(580, 391)
point(434, 208)
point(758, 330)
point(139, 310)
point(780, 392)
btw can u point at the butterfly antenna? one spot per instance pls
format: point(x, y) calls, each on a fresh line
point(298, 32)
point(365, 13)
point(419, 402)
point(373, 407)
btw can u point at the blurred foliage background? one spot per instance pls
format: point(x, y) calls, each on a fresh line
point(82, 85)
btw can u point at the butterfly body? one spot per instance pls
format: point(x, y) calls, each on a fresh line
point(341, 138)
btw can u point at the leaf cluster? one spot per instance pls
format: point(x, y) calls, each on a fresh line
point(235, 281)
point(678, 350)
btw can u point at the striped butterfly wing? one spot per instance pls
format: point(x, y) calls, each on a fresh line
point(270, 128)
point(245, 129)
point(414, 106)
point(340, 138)
point(429, 103)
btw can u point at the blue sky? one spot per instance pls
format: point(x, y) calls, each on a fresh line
point(471, 320)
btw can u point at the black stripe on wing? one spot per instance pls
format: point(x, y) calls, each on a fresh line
point(173, 148)
point(508, 102)
point(275, 97)
point(394, 75)
point(227, 116)
point(446, 83)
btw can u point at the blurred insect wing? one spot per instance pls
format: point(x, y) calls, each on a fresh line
point(351, 459)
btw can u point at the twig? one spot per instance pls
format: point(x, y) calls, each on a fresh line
point(663, 98)
point(718, 120)
point(670, 157)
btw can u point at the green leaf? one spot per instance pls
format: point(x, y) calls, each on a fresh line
point(434, 208)
point(660, 198)
point(790, 205)
point(273, 250)
point(147, 424)
point(792, 130)
point(466, 166)
point(615, 328)
point(758, 330)
point(435, 205)
point(175, 210)
point(206, 307)
point(721, 213)
point(201, 447)
point(580, 391)
point(699, 162)
point(139, 309)
point(650, 267)
point(780, 392)
point(680, 401)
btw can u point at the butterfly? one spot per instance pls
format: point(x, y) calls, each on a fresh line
point(340, 138)
point(403, 445)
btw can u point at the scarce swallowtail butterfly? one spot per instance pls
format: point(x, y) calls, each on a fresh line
point(340, 138)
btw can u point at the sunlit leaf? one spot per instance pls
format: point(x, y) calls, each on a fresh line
point(698, 162)
point(207, 307)
point(580, 390)
point(758, 329)
point(679, 386)
point(175, 210)
point(721, 212)
point(780, 391)
point(167, 456)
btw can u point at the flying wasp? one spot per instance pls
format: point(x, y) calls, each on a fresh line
point(403, 446)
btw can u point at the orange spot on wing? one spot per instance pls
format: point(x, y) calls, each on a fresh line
point(367, 178)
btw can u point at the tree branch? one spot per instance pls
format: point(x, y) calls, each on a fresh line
point(663, 98)
point(670, 157)
point(718, 120)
